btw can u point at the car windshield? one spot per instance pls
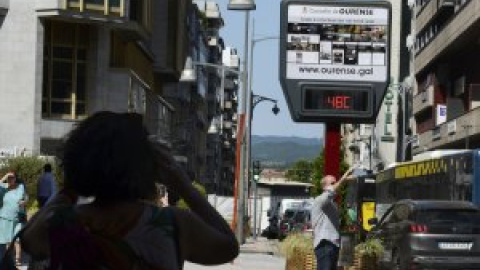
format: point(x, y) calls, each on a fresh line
point(443, 216)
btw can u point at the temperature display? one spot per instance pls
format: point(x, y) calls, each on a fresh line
point(336, 100)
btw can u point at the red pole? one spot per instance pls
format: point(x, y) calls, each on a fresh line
point(332, 150)
point(241, 129)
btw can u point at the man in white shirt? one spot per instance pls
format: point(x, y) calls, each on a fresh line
point(326, 222)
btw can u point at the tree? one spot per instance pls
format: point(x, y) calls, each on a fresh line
point(317, 170)
point(301, 171)
point(29, 169)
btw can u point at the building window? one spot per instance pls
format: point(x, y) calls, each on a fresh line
point(65, 71)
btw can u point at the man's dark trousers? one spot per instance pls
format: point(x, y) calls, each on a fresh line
point(327, 255)
point(42, 201)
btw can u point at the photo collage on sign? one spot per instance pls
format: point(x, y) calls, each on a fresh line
point(330, 44)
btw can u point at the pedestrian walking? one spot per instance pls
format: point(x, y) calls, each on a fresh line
point(12, 202)
point(22, 219)
point(109, 156)
point(326, 222)
point(46, 186)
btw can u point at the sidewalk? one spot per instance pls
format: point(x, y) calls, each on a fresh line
point(259, 254)
point(261, 245)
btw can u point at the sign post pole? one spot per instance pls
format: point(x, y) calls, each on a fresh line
point(332, 150)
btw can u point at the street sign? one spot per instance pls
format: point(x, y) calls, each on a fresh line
point(334, 59)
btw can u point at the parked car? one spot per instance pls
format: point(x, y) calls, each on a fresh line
point(429, 235)
point(295, 220)
point(273, 230)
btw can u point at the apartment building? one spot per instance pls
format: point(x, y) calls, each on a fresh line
point(229, 121)
point(447, 100)
point(381, 144)
point(217, 168)
point(63, 60)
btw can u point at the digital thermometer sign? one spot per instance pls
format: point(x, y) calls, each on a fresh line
point(335, 59)
point(355, 101)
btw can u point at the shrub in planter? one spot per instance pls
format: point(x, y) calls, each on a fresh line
point(368, 253)
point(297, 248)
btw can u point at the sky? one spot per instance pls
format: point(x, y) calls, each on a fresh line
point(265, 68)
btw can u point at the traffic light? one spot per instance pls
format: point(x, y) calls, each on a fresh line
point(256, 170)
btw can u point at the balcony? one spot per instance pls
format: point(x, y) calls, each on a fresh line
point(423, 100)
point(230, 83)
point(451, 134)
point(425, 14)
point(122, 14)
point(227, 124)
point(230, 58)
point(461, 28)
point(4, 5)
point(211, 13)
point(446, 4)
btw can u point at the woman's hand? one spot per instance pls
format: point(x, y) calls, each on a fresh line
point(6, 176)
point(171, 174)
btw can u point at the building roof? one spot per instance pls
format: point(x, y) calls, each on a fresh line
point(271, 173)
point(284, 183)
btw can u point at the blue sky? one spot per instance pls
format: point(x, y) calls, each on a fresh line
point(265, 69)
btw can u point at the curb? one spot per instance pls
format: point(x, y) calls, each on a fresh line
point(247, 251)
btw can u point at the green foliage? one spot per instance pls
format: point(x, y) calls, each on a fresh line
point(371, 247)
point(301, 171)
point(182, 204)
point(318, 165)
point(29, 170)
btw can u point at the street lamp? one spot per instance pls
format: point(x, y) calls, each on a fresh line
point(241, 5)
point(240, 183)
point(251, 97)
point(253, 41)
point(189, 74)
point(254, 101)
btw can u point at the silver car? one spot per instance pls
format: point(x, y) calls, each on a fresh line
point(429, 235)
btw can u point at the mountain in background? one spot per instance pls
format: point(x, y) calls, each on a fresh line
point(281, 152)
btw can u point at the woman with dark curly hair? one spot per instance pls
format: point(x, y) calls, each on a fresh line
point(109, 157)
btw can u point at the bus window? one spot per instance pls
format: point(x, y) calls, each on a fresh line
point(445, 177)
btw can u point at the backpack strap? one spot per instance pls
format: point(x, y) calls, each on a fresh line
point(166, 216)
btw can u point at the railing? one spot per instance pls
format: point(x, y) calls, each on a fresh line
point(453, 131)
point(420, 5)
point(429, 30)
point(423, 100)
point(107, 7)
